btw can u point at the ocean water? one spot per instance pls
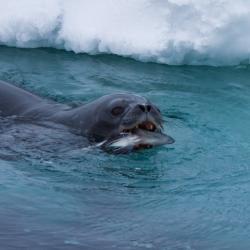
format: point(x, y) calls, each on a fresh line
point(190, 58)
point(56, 193)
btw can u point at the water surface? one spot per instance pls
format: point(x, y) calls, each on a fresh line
point(57, 194)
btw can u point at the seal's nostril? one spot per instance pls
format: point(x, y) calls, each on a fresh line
point(145, 107)
point(142, 107)
point(148, 108)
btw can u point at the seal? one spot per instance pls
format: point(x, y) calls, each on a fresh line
point(107, 119)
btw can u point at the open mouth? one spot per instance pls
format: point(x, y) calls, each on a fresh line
point(149, 126)
point(144, 126)
point(140, 136)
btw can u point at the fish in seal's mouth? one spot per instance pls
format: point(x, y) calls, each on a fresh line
point(140, 136)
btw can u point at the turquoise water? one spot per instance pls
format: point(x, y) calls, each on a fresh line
point(56, 193)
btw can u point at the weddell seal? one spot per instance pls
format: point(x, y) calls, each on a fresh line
point(118, 122)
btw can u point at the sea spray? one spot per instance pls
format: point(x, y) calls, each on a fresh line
point(174, 32)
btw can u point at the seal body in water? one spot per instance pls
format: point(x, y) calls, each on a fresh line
point(117, 120)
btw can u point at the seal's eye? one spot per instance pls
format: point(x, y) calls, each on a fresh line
point(117, 110)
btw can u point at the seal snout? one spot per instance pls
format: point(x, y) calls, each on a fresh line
point(141, 126)
point(141, 116)
point(145, 107)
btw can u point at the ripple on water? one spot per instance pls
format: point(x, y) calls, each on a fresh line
point(56, 192)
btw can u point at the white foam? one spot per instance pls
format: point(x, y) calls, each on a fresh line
point(212, 32)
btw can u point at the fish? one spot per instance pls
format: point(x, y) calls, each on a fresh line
point(139, 139)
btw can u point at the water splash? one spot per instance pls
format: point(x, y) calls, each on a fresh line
point(178, 32)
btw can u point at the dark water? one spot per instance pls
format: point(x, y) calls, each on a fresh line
point(57, 194)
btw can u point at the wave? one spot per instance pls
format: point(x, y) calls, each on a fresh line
point(175, 32)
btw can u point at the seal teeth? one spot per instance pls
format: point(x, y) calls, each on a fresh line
point(150, 126)
point(145, 125)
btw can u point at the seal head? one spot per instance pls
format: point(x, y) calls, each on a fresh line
point(116, 116)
